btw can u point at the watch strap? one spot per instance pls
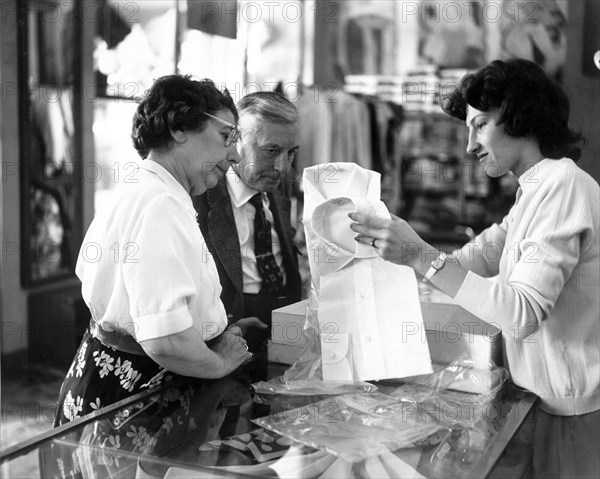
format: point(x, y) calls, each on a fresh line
point(437, 264)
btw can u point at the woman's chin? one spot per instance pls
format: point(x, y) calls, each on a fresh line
point(492, 171)
point(200, 187)
point(212, 180)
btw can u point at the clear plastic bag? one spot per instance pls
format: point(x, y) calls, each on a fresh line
point(308, 366)
point(355, 426)
point(305, 377)
point(444, 394)
point(311, 387)
point(472, 418)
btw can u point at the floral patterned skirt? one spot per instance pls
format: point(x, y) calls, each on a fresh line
point(100, 376)
point(110, 447)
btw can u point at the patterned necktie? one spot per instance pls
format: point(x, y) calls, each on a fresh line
point(265, 259)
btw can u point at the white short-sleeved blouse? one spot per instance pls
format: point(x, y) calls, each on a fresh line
point(144, 266)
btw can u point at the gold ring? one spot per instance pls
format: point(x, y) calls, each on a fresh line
point(246, 346)
point(373, 242)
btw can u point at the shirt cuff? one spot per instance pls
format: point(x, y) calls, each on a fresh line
point(162, 324)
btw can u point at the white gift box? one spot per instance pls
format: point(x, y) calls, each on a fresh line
point(453, 332)
point(283, 353)
point(287, 324)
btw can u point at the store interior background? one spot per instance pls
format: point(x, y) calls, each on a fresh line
point(113, 49)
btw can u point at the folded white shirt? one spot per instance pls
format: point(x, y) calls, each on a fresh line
point(368, 309)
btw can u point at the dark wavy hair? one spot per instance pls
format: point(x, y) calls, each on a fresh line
point(175, 102)
point(530, 103)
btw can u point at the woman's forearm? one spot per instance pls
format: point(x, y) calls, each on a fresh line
point(510, 305)
point(187, 354)
point(505, 306)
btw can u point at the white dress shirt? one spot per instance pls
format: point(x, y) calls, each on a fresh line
point(243, 213)
point(368, 309)
point(144, 266)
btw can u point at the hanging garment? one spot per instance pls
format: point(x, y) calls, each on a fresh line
point(368, 309)
point(314, 108)
point(52, 114)
point(351, 132)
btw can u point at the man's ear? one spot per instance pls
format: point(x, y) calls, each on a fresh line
point(178, 136)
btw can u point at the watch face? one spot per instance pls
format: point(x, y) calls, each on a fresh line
point(438, 262)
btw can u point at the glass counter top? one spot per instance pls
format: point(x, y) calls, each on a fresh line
point(211, 433)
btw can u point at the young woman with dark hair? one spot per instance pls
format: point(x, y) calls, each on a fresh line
point(536, 275)
point(528, 102)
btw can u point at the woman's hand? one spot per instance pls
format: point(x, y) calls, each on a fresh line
point(241, 326)
point(397, 242)
point(394, 239)
point(231, 347)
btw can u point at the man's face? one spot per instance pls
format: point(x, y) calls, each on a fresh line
point(267, 150)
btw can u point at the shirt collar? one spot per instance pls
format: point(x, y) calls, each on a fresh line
point(174, 186)
point(238, 190)
point(333, 234)
point(538, 172)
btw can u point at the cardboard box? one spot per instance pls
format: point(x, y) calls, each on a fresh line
point(287, 324)
point(283, 353)
point(453, 332)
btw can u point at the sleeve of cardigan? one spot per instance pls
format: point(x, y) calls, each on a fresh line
point(482, 254)
point(543, 261)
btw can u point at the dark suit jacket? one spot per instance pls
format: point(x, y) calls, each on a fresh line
point(215, 217)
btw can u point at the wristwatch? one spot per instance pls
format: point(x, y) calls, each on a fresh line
point(436, 265)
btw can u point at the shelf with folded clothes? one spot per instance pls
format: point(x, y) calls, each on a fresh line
point(444, 240)
point(476, 196)
point(427, 191)
point(436, 210)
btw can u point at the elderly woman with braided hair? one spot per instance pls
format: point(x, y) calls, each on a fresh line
point(542, 290)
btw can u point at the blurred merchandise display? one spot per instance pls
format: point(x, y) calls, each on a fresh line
point(356, 127)
point(440, 185)
point(445, 194)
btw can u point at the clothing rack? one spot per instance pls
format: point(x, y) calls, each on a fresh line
point(338, 126)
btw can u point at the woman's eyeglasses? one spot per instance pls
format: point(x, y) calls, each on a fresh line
point(234, 134)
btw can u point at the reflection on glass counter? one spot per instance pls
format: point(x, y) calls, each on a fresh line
point(224, 428)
